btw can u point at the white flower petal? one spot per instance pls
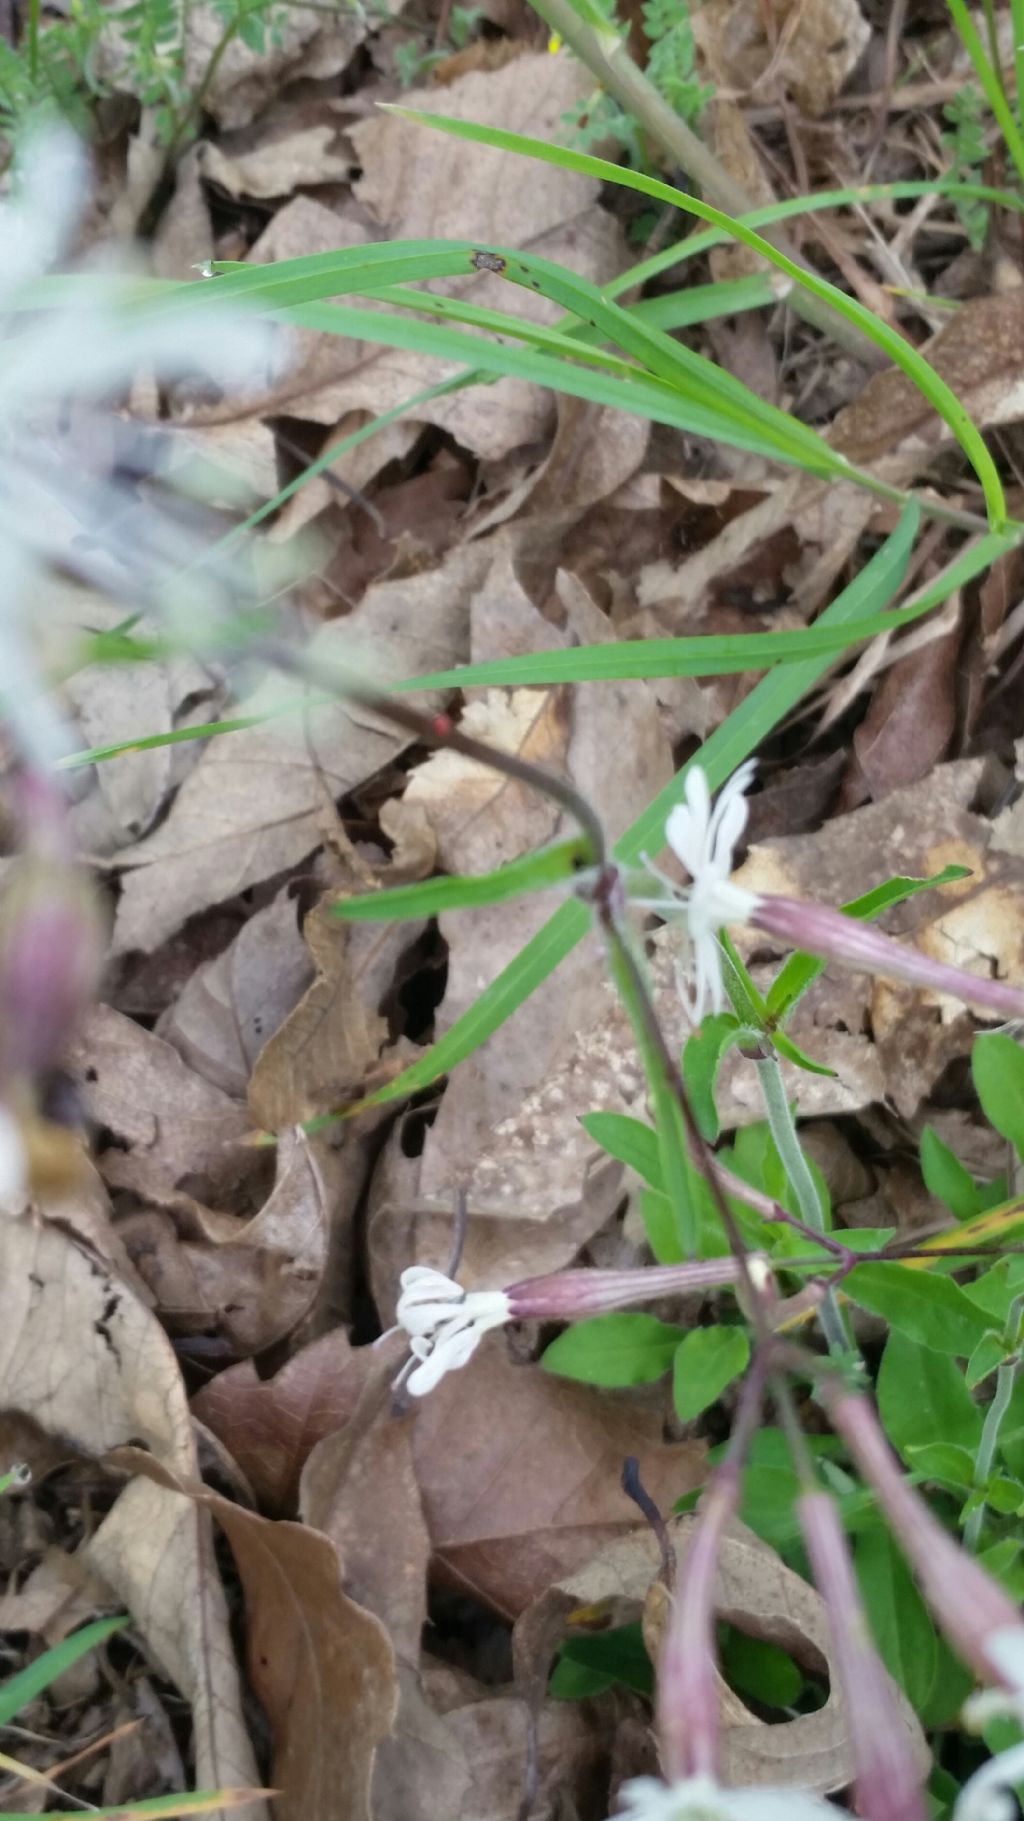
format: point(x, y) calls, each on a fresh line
point(987, 1796)
point(702, 1799)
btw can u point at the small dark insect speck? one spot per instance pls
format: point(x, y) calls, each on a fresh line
point(487, 262)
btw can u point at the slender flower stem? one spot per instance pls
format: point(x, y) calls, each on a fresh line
point(798, 1170)
point(1005, 1378)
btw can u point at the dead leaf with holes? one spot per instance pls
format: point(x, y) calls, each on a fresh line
point(320, 1665)
point(760, 1596)
point(83, 1358)
point(261, 799)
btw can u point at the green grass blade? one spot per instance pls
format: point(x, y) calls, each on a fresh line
point(990, 81)
point(932, 387)
point(427, 898)
point(768, 703)
point(35, 1678)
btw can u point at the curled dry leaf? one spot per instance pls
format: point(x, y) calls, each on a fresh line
point(320, 1665)
point(758, 1594)
point(275, 162)
point(259, 800)
point(83, 1358)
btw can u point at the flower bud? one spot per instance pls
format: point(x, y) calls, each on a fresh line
point(51, 948)
point(688, 1696)
point(845, 939)
point(970, 1606)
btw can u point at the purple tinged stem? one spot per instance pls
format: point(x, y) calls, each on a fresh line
point(688, 1698)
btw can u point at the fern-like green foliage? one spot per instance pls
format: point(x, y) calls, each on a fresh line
point(671, 66)
point(968, 149)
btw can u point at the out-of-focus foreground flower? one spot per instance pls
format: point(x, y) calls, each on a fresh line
point(68, 346)
point(84, 343)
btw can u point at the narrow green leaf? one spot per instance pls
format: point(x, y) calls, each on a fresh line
point(987, 1357)
point(427, 898)
point(706, 1362)
point(922, 1397)
point(614, 1350)
point(901, 1623)
point(928, 382)
point(945, 1462)
point(35, 1678)
point(997, 1065)
point(928, 1309)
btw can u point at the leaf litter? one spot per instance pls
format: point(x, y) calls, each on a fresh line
point(186, 1324)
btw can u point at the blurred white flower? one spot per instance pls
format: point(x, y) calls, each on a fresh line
point(702, 1799)
point(82, 340)
point(988, 1795)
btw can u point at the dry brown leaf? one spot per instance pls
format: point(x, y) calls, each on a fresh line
point(243, 79)
point(910, 720)
point(331, 1045)
point(168, 1124)
point(233, 1005)
point(520, 1474)
point(320, 1665)
point(480, 819)
point(277, 162)
point(252, 1282)
point(257, 801)
point(271, 1425)
point(809, 47)
point(83, 1358)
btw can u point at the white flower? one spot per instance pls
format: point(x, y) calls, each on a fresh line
point(702, 1799)
point(703, 838)
point(988, 1795)
point(444, 1322)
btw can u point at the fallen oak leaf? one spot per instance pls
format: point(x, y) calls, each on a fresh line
point(321, 1666)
